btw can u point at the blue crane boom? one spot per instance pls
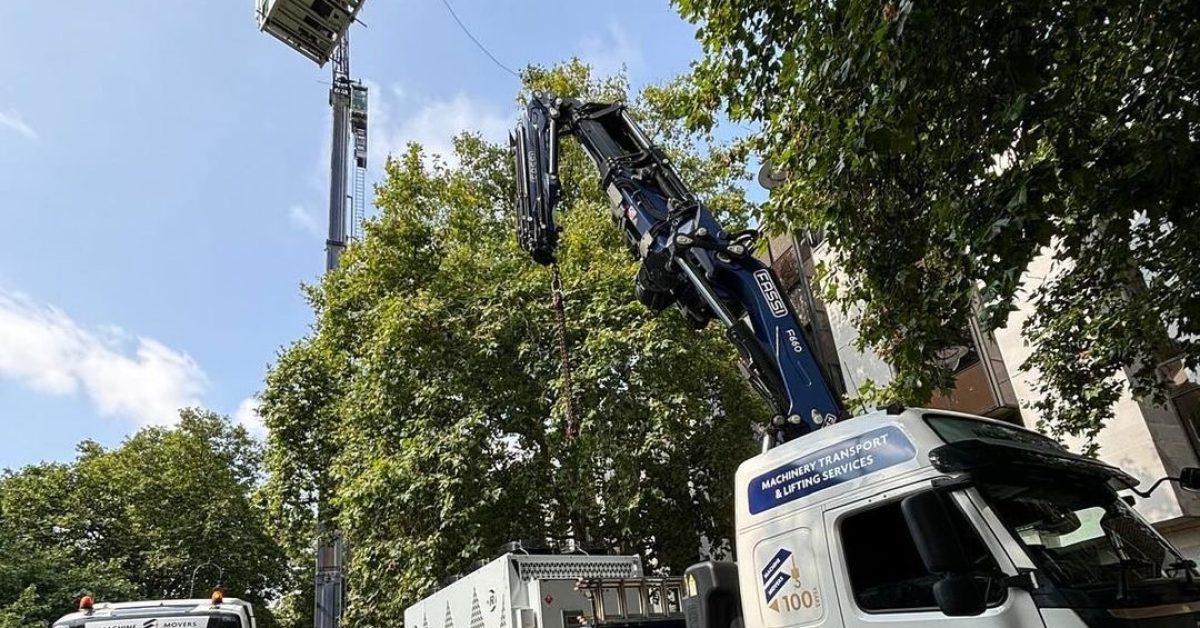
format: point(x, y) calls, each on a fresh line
point(687, 258)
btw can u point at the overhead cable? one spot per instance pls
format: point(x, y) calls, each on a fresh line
point(477, 42)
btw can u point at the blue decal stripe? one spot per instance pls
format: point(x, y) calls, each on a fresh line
point(847, 460)
point(775, 586)
point(775, 563)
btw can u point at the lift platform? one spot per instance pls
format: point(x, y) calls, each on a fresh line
point(311, 27)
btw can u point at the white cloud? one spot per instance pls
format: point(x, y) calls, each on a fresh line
point(247, 416)
point(396, 120)
point(611, 50)
point(303, 219)
point(12, 120)
point(139, 378)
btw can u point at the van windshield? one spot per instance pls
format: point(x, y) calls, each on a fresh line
point(1081, 535)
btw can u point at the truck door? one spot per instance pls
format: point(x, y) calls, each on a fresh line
point(881, 580)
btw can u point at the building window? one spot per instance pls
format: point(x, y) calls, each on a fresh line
point(886, 572)
point(787, 268)
point(800, 304)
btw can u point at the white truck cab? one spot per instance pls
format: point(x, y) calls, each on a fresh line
point(218, 612)
point(908, 517)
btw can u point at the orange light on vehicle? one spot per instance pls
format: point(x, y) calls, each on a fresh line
point(217, 597)
point(86, 603)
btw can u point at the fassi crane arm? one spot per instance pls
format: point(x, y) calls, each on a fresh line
point(687, 258)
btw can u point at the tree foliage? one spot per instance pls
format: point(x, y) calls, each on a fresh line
point(135, 521)
point(431, 380)
point(942, 146)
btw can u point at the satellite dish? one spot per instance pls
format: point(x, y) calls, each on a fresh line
point(770, 177)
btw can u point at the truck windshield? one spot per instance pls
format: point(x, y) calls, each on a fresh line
point(1080, 533)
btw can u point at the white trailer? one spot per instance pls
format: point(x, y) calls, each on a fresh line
point(520, 590)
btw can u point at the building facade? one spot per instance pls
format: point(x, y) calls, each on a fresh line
point(1148, 440)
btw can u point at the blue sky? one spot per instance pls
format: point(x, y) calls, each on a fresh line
point(163, 183)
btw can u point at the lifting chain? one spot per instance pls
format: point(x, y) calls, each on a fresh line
point(560, 314)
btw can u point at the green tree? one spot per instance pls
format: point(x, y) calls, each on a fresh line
point(41, 574)
point(135, 521)
point(25, 611)
point(941, 146)
point(297, 404)
point(431, 380)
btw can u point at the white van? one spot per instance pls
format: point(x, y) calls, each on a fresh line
point(217, 612)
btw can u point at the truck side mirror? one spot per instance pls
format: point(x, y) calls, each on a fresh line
point(958, 593)
point(1189, 479)
point(711, 596)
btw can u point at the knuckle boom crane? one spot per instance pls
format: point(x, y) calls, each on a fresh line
point(687, 258)
point(960, 517)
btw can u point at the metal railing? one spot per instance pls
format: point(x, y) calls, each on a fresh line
point(625, 599)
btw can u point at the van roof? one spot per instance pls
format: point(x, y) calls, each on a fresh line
point(117, 610)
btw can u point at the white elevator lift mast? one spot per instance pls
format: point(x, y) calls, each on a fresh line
point(319, 30)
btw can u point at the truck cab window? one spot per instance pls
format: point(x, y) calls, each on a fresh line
point(886, 572)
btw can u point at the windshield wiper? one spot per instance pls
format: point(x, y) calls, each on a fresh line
point(1126, 565)
point(1183, 564)
point(1127, 591)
